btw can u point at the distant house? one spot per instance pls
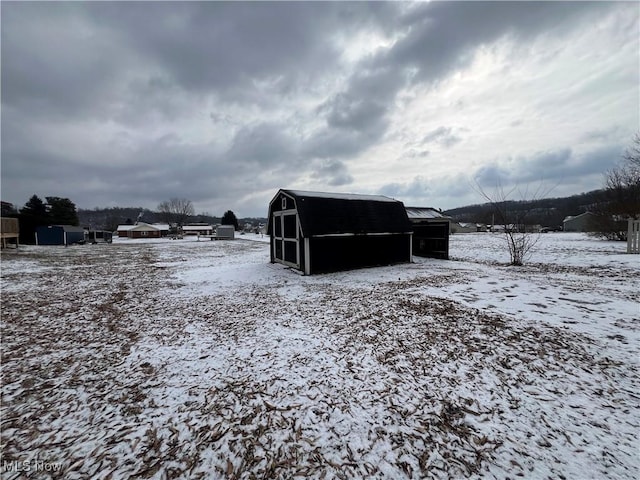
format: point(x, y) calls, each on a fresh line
point(464, 227)
point(510, 228)
point(122, 230)
point(197, 229)
point(430, 232)
point(9, 231)
point(585, 222)
point(319, 232)
point(143, 230)
point(59, 235)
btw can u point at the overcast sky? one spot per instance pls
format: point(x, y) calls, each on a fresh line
point(130, 104)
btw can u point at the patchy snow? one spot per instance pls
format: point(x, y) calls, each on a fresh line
point(199, 359)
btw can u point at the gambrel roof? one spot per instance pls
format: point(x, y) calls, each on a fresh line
point(323, 213)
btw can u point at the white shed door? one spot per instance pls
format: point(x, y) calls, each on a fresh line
point(285, 231)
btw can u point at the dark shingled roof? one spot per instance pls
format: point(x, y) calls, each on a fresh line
point(336, 213)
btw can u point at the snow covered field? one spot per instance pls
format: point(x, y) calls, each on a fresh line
point(187, 359)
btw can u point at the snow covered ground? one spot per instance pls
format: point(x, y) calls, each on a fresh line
point(199, 359)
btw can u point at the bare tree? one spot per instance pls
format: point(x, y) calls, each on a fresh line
point(519, 233)
point(176, 210)
point(621, 198)
point(623, 183)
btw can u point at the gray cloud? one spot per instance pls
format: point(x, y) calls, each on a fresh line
point(442, 136)
point(562, 166)
point(550, 173)
point(417, 188)
point(334, 173)
point(443, 35)
point(132, 103)
point(491, 175)
point(263, 145)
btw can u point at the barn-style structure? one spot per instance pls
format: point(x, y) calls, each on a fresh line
point(319, 232)
point(430, 232)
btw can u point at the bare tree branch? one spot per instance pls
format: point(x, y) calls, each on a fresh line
point(519, 236)
point(176, 210)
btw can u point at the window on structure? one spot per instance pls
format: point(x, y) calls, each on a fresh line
point(284, 203)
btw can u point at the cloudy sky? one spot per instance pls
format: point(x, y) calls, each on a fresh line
point(130, 104)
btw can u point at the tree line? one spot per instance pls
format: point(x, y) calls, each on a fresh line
point(37, 212)
point(62, 211)
point(547, 212)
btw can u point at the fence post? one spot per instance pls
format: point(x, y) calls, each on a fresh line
point(633, 236)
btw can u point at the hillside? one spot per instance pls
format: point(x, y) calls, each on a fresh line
point(546, 211)
point(110, 218)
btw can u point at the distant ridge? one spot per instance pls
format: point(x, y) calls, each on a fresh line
point(545, 211)
point(110, 218)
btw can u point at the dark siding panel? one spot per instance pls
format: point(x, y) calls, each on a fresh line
point(289, 226)
point(330, 254)
point(75, 237)
point(50, 235)
point(290, 251)
point(277, 226)
point(322, 216)
point(54, 235)
point(431, 240)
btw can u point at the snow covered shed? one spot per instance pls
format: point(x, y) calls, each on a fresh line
point(324, 232)
point(430, 232)
point(585, 222)
point(59, 235)
point(225, 232)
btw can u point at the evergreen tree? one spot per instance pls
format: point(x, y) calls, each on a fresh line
point(62, 211)
point(8, 210)
point(229, 218)
point(32, 215)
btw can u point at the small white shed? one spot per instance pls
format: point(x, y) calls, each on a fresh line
point(225, 232)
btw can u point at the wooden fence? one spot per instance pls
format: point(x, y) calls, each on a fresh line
point(633, 236)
